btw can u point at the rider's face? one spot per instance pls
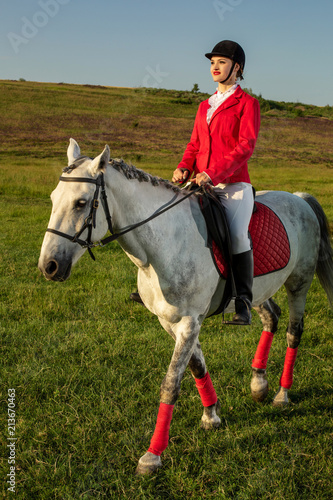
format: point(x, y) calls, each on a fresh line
point(220, 68)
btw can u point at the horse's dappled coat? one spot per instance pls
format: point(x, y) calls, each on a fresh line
point(177, 278)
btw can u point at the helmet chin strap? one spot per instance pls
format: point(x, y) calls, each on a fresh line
point(230, 72)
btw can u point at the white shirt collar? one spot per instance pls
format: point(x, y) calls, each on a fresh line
point(227, 92)
point(217, 99)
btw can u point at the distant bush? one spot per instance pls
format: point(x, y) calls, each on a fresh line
point(178, 96)
point(291, 109)
point(90, 86)
point(181, 100)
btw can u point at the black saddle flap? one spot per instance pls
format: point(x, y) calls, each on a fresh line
point(218, 231)
point(216, 222)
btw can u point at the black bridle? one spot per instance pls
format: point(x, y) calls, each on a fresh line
point(90, 220)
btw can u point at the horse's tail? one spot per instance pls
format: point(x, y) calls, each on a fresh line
point(324, 268)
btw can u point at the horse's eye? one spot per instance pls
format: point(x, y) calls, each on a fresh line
point(81, 203)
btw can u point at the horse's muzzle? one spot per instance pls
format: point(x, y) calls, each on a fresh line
point(54, 270)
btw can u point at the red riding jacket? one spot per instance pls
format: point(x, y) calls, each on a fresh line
point(222, 148)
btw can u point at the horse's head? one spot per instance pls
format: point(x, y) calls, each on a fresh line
point(74, 213)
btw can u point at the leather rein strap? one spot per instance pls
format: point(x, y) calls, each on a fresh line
point(90, 220)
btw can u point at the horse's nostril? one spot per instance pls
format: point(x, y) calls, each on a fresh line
point(51, 268)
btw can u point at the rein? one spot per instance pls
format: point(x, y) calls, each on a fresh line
point(90, 220)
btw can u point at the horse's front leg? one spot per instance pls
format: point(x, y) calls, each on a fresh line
point(186, 333)
point(197, 365)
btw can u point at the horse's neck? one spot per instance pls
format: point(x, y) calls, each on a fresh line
point(131, 202)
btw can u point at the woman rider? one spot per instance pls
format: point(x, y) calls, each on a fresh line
point(223, 139)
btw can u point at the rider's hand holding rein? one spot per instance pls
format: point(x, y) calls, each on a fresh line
point(201, 179)
point(180, 175)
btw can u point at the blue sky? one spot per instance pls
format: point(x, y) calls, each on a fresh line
point(159, 43)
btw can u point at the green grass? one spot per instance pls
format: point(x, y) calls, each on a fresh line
point(87, 363)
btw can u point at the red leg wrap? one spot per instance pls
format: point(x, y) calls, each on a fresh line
point(160, 438)
point(206, 390)
point(286, 379)
point(261, 355)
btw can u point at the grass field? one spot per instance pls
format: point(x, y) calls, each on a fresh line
point(86, 363)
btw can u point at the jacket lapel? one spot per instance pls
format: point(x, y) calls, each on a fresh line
point(204, 109)
point(228, 103)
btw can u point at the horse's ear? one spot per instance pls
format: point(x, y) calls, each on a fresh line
point(101, 161)
point(73, 151)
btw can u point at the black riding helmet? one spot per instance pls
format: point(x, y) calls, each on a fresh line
point(231, 50)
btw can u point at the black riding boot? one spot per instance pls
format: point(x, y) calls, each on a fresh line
point(242, 266)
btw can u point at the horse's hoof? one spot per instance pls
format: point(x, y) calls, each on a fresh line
point(148, 463)
point(259, 385)
point(281, 397)
point(211, 424)
point(210, 419)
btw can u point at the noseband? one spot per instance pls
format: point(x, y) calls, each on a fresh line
point(90, 220)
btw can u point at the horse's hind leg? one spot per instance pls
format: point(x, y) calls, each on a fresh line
point(210, 418)
point(269, 313)
point(296, 291)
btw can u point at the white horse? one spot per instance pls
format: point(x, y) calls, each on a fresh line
point(177, 279)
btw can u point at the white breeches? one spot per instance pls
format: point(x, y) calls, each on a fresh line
point(237, 199)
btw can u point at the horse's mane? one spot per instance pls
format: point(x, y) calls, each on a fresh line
point(77, 163)
point(131, 172)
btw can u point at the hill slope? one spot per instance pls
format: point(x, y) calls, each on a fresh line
point(38, 118)
point(150, 128)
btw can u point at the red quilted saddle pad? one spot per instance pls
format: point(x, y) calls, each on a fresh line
point(271, 249)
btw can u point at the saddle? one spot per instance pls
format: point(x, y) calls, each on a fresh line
point(271, 249)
